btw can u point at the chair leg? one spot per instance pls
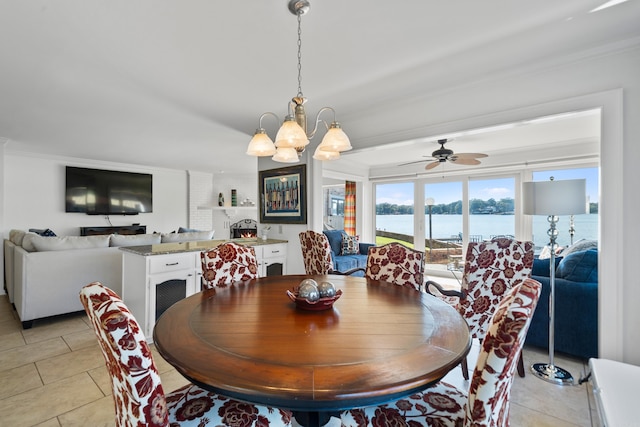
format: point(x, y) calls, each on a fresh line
point(465, 369)
point(521, 366)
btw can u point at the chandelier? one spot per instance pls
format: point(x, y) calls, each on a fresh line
point(292, 137)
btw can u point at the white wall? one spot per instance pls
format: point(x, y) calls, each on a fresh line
point(34, 196)
point(2, 181)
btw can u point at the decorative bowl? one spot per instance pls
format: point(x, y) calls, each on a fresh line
point(320, 304)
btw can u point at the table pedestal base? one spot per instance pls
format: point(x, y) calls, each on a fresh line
point(314, 419)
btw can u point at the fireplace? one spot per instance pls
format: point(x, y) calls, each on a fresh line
point(243, 229)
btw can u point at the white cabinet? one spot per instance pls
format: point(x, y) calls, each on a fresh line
point(151, 284)
point(272, 259)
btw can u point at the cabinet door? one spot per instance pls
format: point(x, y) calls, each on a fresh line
point(165, 290)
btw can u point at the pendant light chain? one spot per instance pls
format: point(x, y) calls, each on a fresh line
point(300, 55)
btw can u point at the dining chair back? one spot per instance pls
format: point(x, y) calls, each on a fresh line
point(491, 268)
point(228, 263)
point(316, 252)
point(487, 401)
point(397, 264)
point(136, 387)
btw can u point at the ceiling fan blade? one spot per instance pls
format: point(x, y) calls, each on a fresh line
point(470, 155)
point(416, 161)
point(463, 161)
point(432, 165)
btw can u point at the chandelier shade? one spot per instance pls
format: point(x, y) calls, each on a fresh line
point(325, 155)
point(335, 139)
point(292, 137)
point(261, 144)
point(286, 155)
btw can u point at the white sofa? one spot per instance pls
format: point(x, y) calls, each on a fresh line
point(44, 275)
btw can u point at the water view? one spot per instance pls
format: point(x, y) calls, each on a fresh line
point(486, 226)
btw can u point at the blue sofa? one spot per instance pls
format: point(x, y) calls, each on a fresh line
point(576, 305)
point(346, 262)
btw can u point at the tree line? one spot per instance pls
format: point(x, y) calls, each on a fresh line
point(504, 206)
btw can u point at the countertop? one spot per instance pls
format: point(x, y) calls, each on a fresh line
point(200, 245)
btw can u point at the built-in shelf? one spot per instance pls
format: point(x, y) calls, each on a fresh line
point(230, 211)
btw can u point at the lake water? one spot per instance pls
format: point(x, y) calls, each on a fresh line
point(445, 226)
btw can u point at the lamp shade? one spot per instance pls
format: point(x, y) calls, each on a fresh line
point(261, 144)
point(291, 135)
point(286, 155)
point(565, 197)
point(335, 139)
point(325, 155)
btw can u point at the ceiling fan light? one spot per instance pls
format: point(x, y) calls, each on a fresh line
point(286, 155)
point(335, 139)
point(261, 145)
point(291, 135)
point(325, 155)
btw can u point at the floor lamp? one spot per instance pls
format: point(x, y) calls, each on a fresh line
point(553, 198)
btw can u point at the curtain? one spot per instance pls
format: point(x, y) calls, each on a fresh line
point(350, 208)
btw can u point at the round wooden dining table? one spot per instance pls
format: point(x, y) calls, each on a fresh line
point(249, 341)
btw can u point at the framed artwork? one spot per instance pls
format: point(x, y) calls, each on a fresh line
point(283, 195)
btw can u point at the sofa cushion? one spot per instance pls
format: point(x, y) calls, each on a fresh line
point(70, 242)
point(135, 239)
point(350, 245)
point(27, 242)
point(349, 262)
point(579, 266)
point(187, 237)
point(335, 240)
point(541, 266)
point(16, 236)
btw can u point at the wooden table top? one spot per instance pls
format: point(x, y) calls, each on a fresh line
point(249, 341)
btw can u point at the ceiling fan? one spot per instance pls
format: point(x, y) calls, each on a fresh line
point(442, 155)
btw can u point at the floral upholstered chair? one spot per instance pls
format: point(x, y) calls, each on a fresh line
point(486, 403)
point(228, 263)
point(316, 254)
point(397, 264)
point(137, 392)
point(491, 269)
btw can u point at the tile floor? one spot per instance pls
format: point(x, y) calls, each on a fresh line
point(54, 375)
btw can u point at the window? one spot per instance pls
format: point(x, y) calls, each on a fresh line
point(444, 222)
point(491, 208)
point(394, 213)
point(575, 227)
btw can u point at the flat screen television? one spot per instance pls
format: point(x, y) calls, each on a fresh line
point(107, 192)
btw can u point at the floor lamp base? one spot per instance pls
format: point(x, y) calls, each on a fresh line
point(552, 373)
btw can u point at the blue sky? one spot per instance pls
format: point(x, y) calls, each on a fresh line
point(447, 192)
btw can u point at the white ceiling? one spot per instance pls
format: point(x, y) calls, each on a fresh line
point(181, 84)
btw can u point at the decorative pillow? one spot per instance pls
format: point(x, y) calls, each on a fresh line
point(349, 245)
point(579, 267)
point(580, 245)
point(134, 239)
point(46, 232)
point(16, 237)
point(187, 230)
point(70, 242)
point(187, 237)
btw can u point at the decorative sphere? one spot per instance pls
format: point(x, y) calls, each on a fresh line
point(311, 281)
point(308, 290)
point(326, 289)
